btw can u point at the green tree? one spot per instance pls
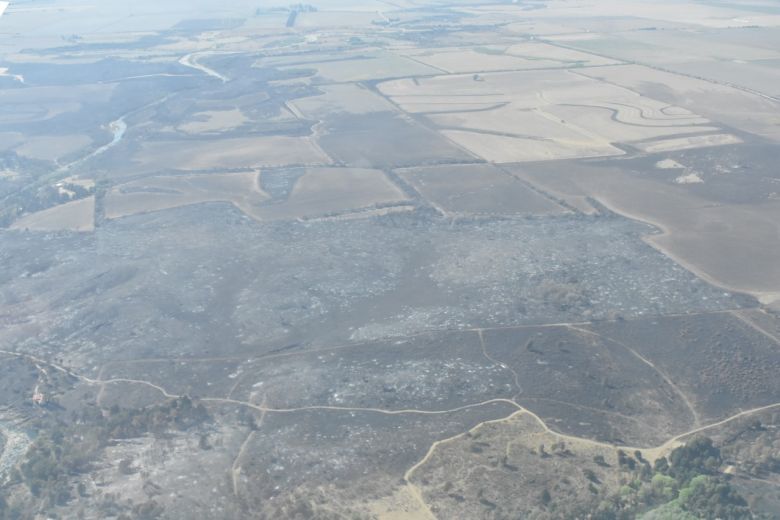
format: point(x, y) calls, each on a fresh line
point(712, 498)
point(698, 457)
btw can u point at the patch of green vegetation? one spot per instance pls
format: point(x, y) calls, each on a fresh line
point(704, 497)
point(670, 511)
point(687, 486)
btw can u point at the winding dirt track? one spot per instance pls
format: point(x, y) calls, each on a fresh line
point(407, 411)
point(651, 452)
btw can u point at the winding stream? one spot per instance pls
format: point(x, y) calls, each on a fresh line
point(118, 128)
point(191, 60)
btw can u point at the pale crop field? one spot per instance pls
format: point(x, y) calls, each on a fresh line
point(545, 115)
point(323, 191)
point(686, 143)
point(560, 56)
point(504, 149)
point(600, 121)
point(45, 103)
point(467, 60)
point(743, 110)
point(480, 189)
point(347, 98)
point(318, 192)
point(53, 147)
point(71, 216)
point(166, 192)
point(379, 66)
point(243, 152)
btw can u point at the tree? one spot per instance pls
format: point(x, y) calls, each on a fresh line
point(590, 475)
point(661, 465)
point(698, 457)
point(708, 497)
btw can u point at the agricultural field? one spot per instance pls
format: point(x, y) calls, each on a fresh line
point(295, 193)
point(477, 189)
point(244, 152)
point(52, 148)
point(386, 140)
point(159, 193)
point(734, 107)
point(314, 192)
point(347, 98)
point(706, 222)
point(516, 57)
point(750, 66)
point(389, 260)
point(370, 66)
point(557, 115)
point(71, 216)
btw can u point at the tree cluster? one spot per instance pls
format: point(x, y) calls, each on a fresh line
point(686, 486)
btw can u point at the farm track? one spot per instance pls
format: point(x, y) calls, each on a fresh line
point(265, 409)
point(661, 373)
point(650, 452)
